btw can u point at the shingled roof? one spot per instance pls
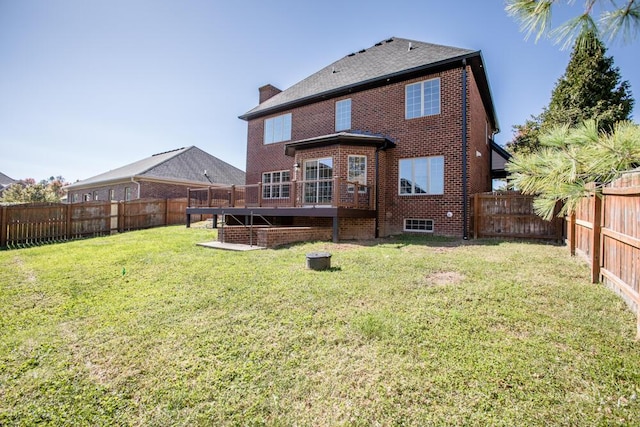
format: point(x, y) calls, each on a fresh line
point(5, 180)
point(382, 63)
point(183, 165)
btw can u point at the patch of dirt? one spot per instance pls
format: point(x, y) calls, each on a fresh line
point(444, 278)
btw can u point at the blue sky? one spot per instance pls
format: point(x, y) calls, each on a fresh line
point(88, 86)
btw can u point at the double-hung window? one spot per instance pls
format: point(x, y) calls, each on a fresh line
point(276, 185)
point(277, 129)
point(343, 115)
point(421, 175)
point(422, 99)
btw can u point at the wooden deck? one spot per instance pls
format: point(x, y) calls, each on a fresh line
point(336, 198)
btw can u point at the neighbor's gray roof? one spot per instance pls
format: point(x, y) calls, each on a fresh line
point(5, 180)
point(183, 164)
point(388, 58)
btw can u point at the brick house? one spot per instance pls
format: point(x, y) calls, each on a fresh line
point(164, 175)
point(386, 140)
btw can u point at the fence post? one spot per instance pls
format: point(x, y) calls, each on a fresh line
point(68, 235)
point(595, 244)
point(260, 193)
point(120, 217)
point(3, 225)
point(572, 234)
point(232, 196)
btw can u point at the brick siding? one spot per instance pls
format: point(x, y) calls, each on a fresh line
point(271, 237)
point(381, 111)
point(148, 189)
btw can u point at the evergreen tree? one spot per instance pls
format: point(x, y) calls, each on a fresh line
point(590, 89)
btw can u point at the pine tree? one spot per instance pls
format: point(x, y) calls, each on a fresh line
point(570, 160)
point(615, 18)
point(590, 89)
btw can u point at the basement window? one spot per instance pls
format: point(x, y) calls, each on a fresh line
point(418, 225)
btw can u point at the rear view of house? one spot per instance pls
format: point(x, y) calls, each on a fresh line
point(389, 139)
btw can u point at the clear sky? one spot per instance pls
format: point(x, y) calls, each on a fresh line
point(87, 86)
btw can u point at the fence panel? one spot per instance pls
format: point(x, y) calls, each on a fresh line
point(143, 213)
point(620, 258)
point(33, 224)
point(607, 232)
point(511, 215)
point(90, 219)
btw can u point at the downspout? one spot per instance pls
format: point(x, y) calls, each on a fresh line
point(377, 199)
point(138, 184)
point(465, 225)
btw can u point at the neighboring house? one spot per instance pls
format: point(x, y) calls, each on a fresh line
point(390, 139)
point(163, 175)
point(5, 182)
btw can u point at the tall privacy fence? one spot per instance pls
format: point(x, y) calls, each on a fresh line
point(34, 224)
point(606, 231)
point(510, 215)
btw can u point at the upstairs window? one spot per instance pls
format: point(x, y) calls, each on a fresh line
point(277, 129)
point(422, 99)
point(343, 115)
point(421, 175)
point(275, 185)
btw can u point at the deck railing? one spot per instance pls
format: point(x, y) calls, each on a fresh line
point(336, 192)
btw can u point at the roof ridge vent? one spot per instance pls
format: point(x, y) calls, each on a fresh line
point(170, 151)
point(362, 51)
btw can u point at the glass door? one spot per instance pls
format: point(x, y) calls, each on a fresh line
point(318, 181)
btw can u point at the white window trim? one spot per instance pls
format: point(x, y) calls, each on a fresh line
point(337, 117)
point(428, 177)
point(411, 230)
point(422, 112)
point(280, 184)
point(362, 189)
point(286, 130)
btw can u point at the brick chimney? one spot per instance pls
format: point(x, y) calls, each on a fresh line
point(268, 91)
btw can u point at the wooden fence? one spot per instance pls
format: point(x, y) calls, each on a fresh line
point(511, 215)
point(33, 224)
point(606, 231)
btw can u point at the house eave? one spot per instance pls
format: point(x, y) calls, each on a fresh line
point(139, 178)
point(338, 138)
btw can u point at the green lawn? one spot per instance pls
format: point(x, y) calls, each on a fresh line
point(146, 328)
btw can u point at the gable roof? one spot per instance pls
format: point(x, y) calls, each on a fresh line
point(386, 61)
point(186, 164)
point(5, 180)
